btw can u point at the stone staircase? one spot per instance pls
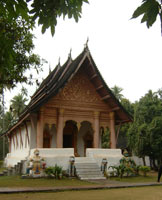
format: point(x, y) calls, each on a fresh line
point(87, 169)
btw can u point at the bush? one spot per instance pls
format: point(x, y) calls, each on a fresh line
point(144, 170)
point(126, 167)
point(49, 171)
point(55, 171)
point(118, 170)
point(136, 169)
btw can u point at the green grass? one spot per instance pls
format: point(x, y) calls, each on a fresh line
point(17, 181)
point(143, 193)
point(1, 166)
point(151, 177)
point(1, 169)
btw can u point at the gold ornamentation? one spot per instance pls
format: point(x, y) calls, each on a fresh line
point(79, 89)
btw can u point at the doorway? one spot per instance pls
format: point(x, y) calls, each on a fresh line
point(46, 139)
point(70, 136)
point(88, 141)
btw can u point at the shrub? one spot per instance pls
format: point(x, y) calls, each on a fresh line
point(49, 171)
point(136, 169)
point(119, 170)
point(144, 170)
point(58, 171)
point(127, 166)
point(55, 171)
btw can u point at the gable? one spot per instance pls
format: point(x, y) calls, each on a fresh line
point(79, 91)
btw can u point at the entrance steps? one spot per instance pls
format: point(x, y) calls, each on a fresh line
point(87, 169)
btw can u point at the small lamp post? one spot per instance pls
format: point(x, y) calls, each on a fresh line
point(71, 170)
point(104, 165)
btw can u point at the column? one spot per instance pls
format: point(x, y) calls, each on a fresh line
point(9, 141)
point(60, 126)
point(96, 130)
point(40, 125)
point(32, 136)
point(78, 126)
point(112, 131)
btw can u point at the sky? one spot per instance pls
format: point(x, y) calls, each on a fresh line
point(126, 53)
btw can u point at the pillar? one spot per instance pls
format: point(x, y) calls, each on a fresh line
point(96, 130)
point(60, 126)
point(33, 134)
point(9, 141)
point(112, 131)
point(40, 125)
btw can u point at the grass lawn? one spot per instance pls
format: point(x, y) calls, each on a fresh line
point(151, 177)
point(17, 181)
point(143, 193)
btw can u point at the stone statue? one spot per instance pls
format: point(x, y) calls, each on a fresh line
point(36, 165)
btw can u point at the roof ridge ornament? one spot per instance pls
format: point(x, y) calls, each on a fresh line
point(59, 63)
point(69, 55)
point(49, 68)
point(86, 45)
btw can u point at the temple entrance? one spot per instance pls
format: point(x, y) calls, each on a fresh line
point(70, 136)
point(88, 141)
point(46, 139)
point(68, 141)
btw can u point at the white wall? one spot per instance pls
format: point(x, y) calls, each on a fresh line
point(112, 156)
point(21, 142)
point(54, 156)
point(139, 161)
point(19, 146)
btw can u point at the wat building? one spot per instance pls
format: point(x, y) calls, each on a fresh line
point(67, 114)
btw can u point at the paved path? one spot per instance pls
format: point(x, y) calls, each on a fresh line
point(100, 184)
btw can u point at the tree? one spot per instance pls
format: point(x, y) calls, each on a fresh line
point(17, 19)
point(16, 55)
point(156, 138)
point(105, 141)
point(46, 11)
point(150, 9)
point(117, 92)
point(123, 130)
point(148, 107)
point(144, 136)
point(6, 121)
point(18, 105)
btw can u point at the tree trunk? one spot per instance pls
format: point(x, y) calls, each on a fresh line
point(154, 164)
point(144, 161)
point(151, 163)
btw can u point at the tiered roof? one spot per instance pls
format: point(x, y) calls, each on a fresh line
point(60, 76)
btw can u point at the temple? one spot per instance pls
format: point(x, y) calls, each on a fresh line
point(67, 114)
